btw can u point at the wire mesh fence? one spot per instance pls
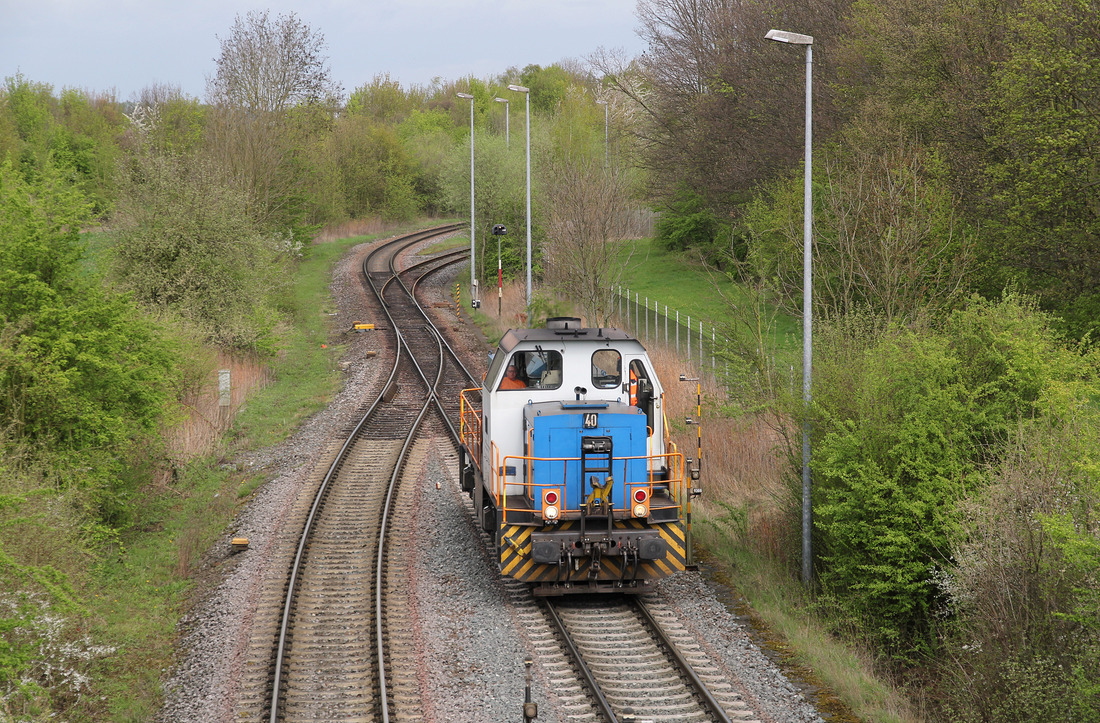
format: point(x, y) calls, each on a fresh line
point(652, 322)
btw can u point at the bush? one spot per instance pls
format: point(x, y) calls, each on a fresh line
point(187, 244)
point(687, 223)
point(909, 423)
point(890, 462)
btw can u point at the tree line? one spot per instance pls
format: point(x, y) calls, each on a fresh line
point(955, 251)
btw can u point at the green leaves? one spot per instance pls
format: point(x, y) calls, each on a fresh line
point(909, 423)
point(83, 376)
point(189, 247)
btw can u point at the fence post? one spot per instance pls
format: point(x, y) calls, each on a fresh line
point(689, 338)
point(677, 331)
point(666, 324)
point(713, 361)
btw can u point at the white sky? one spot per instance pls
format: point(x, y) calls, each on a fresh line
point(126, 45)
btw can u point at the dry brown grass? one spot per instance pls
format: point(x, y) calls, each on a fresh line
point(354, 227)
point(512, 313)
point(204, 419)
point(743, 459)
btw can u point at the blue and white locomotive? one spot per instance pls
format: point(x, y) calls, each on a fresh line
point(566, 455)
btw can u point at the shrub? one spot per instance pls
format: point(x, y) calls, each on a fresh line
point(909, 422)
point(687, 223)
point(187, 244)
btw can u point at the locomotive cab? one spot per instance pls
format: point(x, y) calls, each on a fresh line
point(566, 456)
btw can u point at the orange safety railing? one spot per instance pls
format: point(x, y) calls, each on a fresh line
point(471, 430)
point(469, 420)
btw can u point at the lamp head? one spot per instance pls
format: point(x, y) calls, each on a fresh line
point(782, 36)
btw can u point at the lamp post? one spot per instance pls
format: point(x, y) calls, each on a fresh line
point(527, 93)
point(473, 291)
point(507, 113)
point(604, 104)
point(782, 36)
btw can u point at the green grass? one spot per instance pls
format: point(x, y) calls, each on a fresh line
point(305, 373)
point(675, 280)
point(845, 686)
point(139, 594)
point(136, 596)
point(459, 241)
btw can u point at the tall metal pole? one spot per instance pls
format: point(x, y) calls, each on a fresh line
point(604, 104)
point(807, 312)
point(527, 94)
point(807, 300)
point(507, 114)
point(472, 251)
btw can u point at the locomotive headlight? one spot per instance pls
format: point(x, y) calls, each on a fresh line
point(641, 498)
point(641, 511)
point(551, 501)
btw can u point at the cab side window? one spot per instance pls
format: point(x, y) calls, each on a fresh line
point(607, 369)
point(538, 369)
point(641, 391)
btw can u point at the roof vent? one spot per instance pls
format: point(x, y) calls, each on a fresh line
point(563, 322)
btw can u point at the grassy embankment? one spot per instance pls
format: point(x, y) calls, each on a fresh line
point(135, 598)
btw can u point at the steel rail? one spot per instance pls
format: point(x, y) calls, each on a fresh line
point(578, 660)
point(379, 577)
point(432, 396)
point(334, 468)
point(299, 555)
point(686, 668)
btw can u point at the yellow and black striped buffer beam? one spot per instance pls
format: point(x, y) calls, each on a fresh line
point(516, 559)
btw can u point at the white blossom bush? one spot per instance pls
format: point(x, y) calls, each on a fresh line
point(45, 654)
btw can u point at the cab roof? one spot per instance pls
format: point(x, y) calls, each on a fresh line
point(513, 337)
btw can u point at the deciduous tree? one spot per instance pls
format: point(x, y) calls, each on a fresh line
point(587, 223)
point(271, 95)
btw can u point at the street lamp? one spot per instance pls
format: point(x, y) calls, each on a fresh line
point(604, 104)
point(782, 36)
point(527, 94)
point(507, 113)
point(473, 290)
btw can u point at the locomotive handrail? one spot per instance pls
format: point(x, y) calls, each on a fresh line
point(674, 481)
point(470, 426)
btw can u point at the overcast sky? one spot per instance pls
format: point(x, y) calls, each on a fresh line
point(126, 45)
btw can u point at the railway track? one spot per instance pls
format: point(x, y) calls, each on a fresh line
point(340, 639)
point(641, 665)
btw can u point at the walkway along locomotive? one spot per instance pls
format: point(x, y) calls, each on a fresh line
point(565, 452)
